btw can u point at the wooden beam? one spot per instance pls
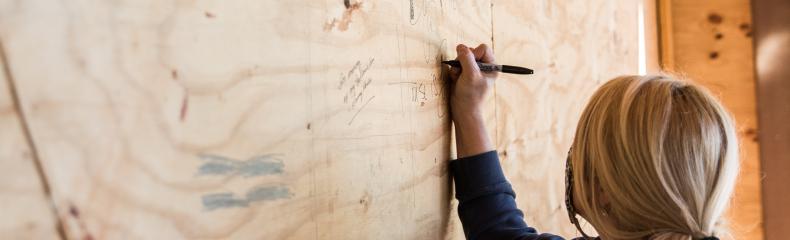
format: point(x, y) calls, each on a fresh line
point(772, 52)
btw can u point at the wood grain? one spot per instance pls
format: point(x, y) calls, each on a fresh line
point(711, 43)
point(243, 120)
point(307, 119)
point(25, 207)
point(573, 47)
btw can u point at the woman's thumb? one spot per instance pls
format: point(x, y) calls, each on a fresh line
point(467, 59)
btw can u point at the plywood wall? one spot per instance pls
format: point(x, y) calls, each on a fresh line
point(711, 43)
point(305, 119)
point(26, 210)
point(574, 47)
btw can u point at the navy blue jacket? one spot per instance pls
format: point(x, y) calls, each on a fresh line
point(487, 203)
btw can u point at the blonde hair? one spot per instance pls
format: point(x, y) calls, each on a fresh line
point(654, 158)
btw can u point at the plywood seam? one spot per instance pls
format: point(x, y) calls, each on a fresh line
point(29, 139)
point(491, 5)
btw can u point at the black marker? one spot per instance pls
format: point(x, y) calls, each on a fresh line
point(487, 67)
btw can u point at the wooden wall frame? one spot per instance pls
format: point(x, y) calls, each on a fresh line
point(772, 51)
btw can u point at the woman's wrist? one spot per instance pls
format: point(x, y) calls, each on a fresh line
point(469, 117)
point(472, 136)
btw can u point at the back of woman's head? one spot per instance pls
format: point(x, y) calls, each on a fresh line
point(654, 158)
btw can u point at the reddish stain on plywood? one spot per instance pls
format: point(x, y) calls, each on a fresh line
point(75, 213)
point(345, 20)
point(184, 106)
point(713, 55)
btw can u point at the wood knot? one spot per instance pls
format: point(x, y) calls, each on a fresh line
point(713, 55)
point(715, 18)
point(751, 133)
point(746, 28)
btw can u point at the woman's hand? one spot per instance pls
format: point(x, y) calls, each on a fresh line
point(469, 88)
point(470, 85)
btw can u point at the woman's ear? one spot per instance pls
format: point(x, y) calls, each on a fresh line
point(603, 199)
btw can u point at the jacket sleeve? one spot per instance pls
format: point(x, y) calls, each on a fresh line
point(487, 203)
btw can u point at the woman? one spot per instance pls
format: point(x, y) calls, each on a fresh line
point(653, 158)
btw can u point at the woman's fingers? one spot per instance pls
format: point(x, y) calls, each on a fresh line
point(468, 64)
point(483, 53)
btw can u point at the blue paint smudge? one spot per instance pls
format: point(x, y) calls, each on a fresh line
point(222, 200)
point(267, 193)
point(229, 200)
point(255, 166)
